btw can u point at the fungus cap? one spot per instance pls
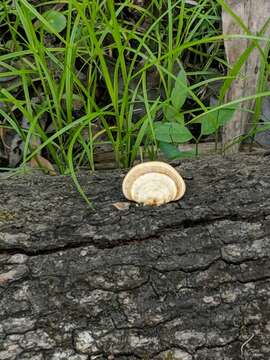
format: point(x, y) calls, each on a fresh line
point(153, 183)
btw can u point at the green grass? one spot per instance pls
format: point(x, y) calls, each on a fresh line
point(101, 62)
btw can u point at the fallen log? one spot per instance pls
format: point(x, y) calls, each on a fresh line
point(189, 279)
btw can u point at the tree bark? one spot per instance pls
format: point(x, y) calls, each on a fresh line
point(190, 278)
point(254, 14)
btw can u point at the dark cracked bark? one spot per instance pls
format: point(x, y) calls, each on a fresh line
point(190, 278)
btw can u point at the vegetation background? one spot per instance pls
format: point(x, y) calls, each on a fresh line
point(134, 77)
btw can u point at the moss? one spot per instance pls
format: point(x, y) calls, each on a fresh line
point(7, 215)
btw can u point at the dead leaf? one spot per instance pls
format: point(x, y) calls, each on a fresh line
point(121, 205)
point(41, 163)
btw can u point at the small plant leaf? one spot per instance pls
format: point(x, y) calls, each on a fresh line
point(170, 151)
point(186, 154)
point(170, 132)
point(211, 122)
point(56, 19)
point(225, 115)
point(172, 114)
point(179, 92)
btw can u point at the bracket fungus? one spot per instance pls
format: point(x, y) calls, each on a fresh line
point(153, 183)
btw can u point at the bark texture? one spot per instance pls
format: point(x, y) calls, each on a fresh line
point(190, 278)
point(254, 14)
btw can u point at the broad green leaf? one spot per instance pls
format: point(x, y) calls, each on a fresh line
point(172, 114)
point(56, 19)
point(179, 92)
point(170, 151)
point(186, 154)
point(225, 115)
point(170, 132)
point(211, 122)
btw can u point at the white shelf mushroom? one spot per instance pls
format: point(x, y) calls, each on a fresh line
point(153, 183)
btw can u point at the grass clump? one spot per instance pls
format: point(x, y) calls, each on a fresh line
point(136, 76)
